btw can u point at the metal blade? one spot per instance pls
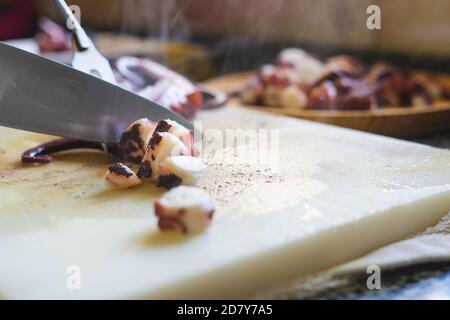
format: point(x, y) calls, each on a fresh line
point(40, 95)
point(92, 62)
point(86, 57)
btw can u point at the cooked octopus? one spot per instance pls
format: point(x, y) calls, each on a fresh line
point(157, 82)
point(300, 81)
point(293, 97)
point(177, 170)
point(307, 67)
point(119, 175)
point(338, 91)
point(344, 64)
point(184, 209)
point(160, 146)
point(182, 133)
point(134, 140)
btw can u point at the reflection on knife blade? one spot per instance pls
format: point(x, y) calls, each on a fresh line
point(70, 103)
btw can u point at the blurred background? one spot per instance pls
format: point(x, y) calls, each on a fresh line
point(204, 38)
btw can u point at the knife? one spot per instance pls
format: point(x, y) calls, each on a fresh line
point(44, 96)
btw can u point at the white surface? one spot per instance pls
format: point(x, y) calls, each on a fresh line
point(337, 195)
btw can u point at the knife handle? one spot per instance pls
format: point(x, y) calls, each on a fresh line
point(82, 40)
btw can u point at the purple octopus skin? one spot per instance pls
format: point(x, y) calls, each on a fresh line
point(42, 153)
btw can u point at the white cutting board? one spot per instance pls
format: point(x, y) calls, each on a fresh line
point(337, 194)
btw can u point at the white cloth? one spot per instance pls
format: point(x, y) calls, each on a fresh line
point(432, 245)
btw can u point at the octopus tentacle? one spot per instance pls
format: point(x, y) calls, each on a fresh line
point(42, 153)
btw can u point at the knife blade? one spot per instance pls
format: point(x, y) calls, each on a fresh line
point(44, 96)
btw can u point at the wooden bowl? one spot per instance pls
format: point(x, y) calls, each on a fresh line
point(396, 122)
